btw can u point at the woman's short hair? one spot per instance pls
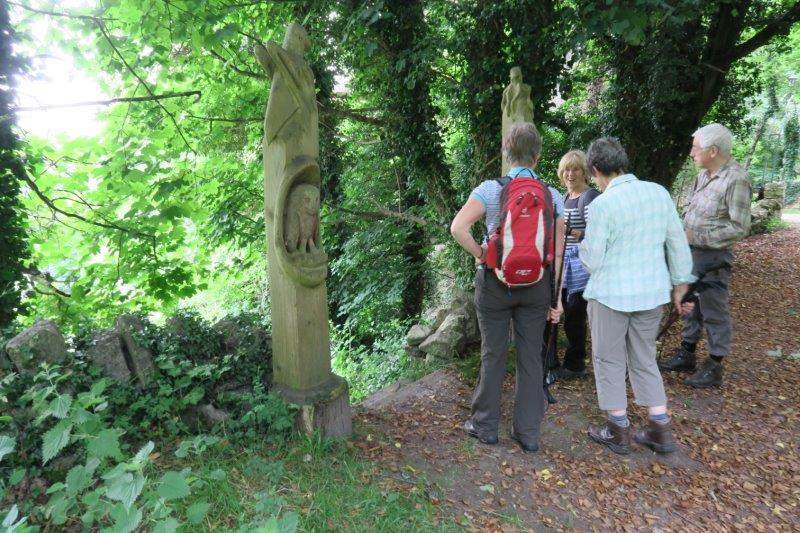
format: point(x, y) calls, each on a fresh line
point(715, 135)
point(607, 155)
point(522, 143)
point(573, 159)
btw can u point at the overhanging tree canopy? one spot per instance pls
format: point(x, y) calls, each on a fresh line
point(169, 199)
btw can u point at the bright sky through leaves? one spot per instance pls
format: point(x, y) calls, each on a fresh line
point(56, 79)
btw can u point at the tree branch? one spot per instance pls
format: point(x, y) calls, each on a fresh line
point(348, 113)
point(382, 213)
point(243, 72)
point(780, 25)
point(53, 207)
point(224, 119)
point(47, 279)
point(445, 75)
point(146, 87)
point(254, 3)
point(325, 110)
point(57, 13)
point(111, 101)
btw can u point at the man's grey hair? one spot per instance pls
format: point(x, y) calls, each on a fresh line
point(715, 135)
point(522, 143)
point(607, 155)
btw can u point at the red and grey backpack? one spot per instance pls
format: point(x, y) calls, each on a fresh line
point(522, 246)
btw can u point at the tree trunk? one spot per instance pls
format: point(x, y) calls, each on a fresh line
point(412, 142)
point(494, 38)
point(12, 235)
point(665, 87)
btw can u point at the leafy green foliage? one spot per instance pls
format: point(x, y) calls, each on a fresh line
point(104, 486)
point(7, 445)
point(196, 365)
point(775, 224)
point(71, 442)
point(644, 43)
point(369, 369)
point(791, 139)
point(164, 209)
point(173, 486)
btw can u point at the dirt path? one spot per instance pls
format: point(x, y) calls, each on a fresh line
point(739, 461)
point(794, 218)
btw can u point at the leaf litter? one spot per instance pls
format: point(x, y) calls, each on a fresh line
point(738, 464)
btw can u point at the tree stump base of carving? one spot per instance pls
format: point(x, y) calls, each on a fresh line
point(325, 409)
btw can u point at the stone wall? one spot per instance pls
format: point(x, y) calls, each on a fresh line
point(768, 207)
point(122, 354)
point(446, 330)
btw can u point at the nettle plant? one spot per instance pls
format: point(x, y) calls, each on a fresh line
point(105, 487)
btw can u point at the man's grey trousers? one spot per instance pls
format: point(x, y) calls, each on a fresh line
point(625, 342)
point(497, 307)
point(713, 311)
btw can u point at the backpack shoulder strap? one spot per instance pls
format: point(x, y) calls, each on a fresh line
point(582, 199)
point(504, 180)
point(549, 198)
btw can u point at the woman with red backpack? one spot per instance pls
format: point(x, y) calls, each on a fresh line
point(516, 262)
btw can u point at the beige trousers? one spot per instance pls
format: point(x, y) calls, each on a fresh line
point(625, 342)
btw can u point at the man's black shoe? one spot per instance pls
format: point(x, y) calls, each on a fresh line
point(474, 433)
point(527, 447)
point(565, 374)
point(707, 376)
point(682, 360)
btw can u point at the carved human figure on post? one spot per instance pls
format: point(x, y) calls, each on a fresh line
point(516, 104)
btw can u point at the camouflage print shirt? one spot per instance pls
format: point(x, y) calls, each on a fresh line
point(718, 211)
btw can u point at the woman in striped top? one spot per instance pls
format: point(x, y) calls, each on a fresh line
point(573, 173)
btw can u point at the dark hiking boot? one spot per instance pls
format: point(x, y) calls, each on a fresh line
point(565, 374)
point(707, 376)
point(527, 447)
point(486, 439)
point(616, 438)
point(682, 360)
point(657, 437)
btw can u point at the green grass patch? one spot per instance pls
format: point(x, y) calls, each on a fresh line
point(309, 483)
point(792, 211)
point(775, 224)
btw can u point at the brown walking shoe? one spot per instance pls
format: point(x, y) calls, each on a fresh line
point(682, 360)
point(657, 437)
point(707, 376)
point(616, 438)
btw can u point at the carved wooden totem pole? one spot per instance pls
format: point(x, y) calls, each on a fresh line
point(516, 105)
point(298, 265)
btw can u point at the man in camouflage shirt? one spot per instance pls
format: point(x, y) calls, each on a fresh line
point(716, 217)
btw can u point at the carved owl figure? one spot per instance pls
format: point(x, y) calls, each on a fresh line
point(301, 222)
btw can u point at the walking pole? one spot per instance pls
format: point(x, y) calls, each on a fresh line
point(550, 348)
point(693, 295)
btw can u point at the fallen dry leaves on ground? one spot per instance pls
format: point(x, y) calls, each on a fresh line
point(738, 467)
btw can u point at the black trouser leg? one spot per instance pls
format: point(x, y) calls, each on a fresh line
point(575, 330)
